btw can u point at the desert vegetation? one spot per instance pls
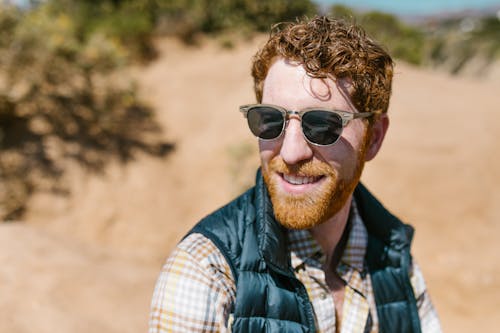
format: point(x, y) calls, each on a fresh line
point(59, 102)
point(452, 43)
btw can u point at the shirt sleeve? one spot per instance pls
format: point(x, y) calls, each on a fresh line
point(195, 290)
point(429, 319)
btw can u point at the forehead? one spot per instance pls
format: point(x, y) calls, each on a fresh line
point(288, 84)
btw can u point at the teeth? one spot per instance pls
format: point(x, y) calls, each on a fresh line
point(296, 180)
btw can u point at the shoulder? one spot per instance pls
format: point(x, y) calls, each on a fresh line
point(429, 318)
point(195, 286)
point(203, 253)
point(196, 257)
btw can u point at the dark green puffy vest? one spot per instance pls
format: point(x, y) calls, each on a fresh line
point(269, 298)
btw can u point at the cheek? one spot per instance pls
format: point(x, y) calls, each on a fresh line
point(356, 128)
point(268, 150)
point(344, 155)
point(354, 135)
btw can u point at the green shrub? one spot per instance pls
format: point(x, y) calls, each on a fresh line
point(402, 40)
point(58, 101)
point(131, 23)
point(454, 48)
point(343, 12)
point(488, 34)
point(188, 17)
point(448, 45)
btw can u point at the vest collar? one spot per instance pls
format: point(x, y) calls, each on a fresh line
point(272, 235)
point(379, 222)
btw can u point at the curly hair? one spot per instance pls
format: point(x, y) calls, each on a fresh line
point(330, 48)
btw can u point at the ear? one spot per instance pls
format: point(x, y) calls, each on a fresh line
point(378, 130)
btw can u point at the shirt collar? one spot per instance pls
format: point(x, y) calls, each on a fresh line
point(307, 251)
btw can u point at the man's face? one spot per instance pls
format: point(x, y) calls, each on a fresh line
point(308, 184)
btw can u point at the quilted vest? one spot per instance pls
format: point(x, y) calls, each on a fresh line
point(269, 298)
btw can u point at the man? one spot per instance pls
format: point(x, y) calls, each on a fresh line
point(308, 249)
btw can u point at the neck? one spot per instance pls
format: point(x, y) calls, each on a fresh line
point(329, 234)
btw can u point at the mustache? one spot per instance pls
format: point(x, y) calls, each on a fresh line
point(312, 168)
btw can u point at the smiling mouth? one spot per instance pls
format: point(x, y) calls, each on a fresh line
point(300, 180)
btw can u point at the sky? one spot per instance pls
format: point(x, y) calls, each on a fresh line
point(17, 2)
point(402, 7)
point(416, 7)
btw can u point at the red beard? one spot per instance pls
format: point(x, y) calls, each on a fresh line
point(304, 211)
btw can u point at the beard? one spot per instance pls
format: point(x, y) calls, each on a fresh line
point(304, 211)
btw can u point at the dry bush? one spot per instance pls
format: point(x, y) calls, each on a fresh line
point(59, 101)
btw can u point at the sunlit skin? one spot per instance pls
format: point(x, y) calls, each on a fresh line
point(311, 186)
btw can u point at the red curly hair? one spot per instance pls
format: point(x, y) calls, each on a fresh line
point(331, 48)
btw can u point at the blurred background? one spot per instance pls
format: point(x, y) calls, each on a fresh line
point(119, 130)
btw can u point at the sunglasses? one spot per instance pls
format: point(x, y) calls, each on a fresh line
point(321, 127)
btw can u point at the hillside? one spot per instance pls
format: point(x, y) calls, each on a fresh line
point(88, 262)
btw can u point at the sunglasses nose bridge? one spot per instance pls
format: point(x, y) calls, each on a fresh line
point(290, 113)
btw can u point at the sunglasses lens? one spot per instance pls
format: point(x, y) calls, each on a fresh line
point(322, 127)
point(265, 122)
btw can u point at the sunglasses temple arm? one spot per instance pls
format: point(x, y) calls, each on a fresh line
point(362, 115)
point(244, 111)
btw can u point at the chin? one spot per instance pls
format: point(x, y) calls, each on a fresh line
point(306, 208)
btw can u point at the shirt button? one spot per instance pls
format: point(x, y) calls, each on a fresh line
point(323, 296)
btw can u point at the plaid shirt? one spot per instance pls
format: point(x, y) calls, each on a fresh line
point(195, 291)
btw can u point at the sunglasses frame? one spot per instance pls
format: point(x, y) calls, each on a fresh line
point(344, 115)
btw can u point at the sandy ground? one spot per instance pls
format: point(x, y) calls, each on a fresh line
point(88, 262)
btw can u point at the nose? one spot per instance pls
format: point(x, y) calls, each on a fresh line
point(295, 148)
